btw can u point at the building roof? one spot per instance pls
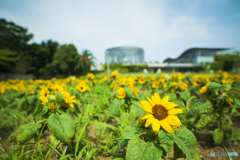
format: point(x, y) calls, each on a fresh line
point(124, 47)
point(192, 49)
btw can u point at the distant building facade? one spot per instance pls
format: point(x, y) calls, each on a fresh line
point(124, 55)
point(196, 55)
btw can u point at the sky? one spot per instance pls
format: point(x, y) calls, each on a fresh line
point(163, 28)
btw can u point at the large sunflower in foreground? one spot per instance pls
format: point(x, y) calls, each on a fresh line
point(161, 113)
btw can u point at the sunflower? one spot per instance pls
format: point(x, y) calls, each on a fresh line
point(142, 80)
point(69, 100)
point(227, 81)
point(121, 93)
point(155, 85)
point(203, 90)
point(230, 101)
point(161, 113)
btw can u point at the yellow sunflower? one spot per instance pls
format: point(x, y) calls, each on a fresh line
point(155, 85)
point(121, 93)
point(161, 113)
point(142, 80)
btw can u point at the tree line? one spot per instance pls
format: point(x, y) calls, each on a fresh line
point(45, 60)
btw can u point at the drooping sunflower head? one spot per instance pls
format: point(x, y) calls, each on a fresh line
point(161, 113)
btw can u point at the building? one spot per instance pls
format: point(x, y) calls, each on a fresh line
point(196, 55)
point(124, 55)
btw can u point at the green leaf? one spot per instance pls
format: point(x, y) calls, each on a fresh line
point(59, 99)
point(62, 126)
point(121, 144)
point(115, 106)
point(218, 136)
point(213, 87)
point(77, 108)
point(32, 99)
point(171, 96)
point(131, 132)
point(227, 134)
point(178, 153)
point(166, 140)
point(198, 107)
point(234, 89)
point(128, 92)
point(28, 132)
point(203, 121)
point(184, 95)
point(53, 140)
point(140, 150)
point(21, 102)
point(186, 141)
point(191, 98)
point(237, 102)
point(38, 109)
point(138, 110)
point(127, 118)
point(180, 103)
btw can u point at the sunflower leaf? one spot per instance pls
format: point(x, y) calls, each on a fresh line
point(131, 132)
point(62, 127)
point(237, 102)
point(199, 106)
point(38, 109)
point(186, 141)
point(218, 136)
point(121, 144)
point(203, 121)
point(138, 110)
point(166, 140)
point(59, 99)
point(185, 95)
point(115, 106)
point(138, 149)
point(32, 99)
point(28, 132)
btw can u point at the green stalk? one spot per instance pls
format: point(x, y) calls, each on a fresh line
point(4, 148)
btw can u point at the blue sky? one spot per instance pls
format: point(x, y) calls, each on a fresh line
point(163, 28)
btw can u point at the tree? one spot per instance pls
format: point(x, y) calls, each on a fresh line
point(12, 36)
point(84, 61)
point(38, 56)
point(7, 60)
point(65, 58)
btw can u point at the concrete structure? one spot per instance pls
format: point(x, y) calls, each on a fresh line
point(196, 55)
point(124, 55)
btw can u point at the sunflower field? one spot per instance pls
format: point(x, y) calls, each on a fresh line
point(136, 117)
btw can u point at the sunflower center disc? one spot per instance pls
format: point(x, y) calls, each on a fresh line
point(159, 112)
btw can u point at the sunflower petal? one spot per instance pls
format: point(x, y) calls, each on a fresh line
point(147, 116)
point(73, 101)
point(166, 126)
point(173, 120)
point(71, 105)
point(149, 121)
point(152, 103)
point(157, 98)
point(73, 97)
point(146, 106)
point(170, 105)
point(156, 125)
point(165, 101)
point(175, 111)
point(153, 100)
